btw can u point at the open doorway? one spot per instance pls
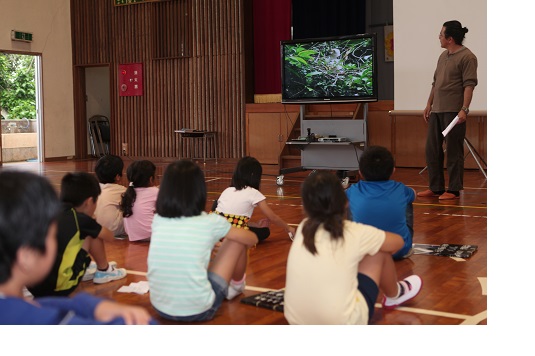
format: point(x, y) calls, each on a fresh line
point(92, 97)
point(20, 107)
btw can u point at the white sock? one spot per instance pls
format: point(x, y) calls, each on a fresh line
point(399, 290)
point(237, 283)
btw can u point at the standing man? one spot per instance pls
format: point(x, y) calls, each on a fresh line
point(451, 93)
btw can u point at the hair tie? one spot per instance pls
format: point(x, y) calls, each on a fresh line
point(131, 184)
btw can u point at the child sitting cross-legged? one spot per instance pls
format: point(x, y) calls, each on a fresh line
point(379, 201)
point(336, 267)
point(238, 202)
point(184, 284)
point(79, 238)
point(109, 171)
point(139, 200)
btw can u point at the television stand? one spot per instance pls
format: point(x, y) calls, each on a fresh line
point(329, 155)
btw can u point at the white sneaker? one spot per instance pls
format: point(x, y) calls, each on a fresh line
point(410, 287)
point(92, 269)
point(90, 272)
point(112, 274)
point(235, 289)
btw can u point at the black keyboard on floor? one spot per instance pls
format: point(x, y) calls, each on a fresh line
point(273, 300)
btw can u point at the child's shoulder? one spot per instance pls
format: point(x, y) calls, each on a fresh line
point(86, 220)
point(107, 188)
point(148, 190)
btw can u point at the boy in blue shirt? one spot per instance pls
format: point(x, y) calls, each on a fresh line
point(381, 202)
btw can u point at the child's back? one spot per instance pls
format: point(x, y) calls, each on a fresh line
point(336, 267)
point(185, 284)
point(238, 202)
point(79, 237)
point(69, 266)
point(109, 170)
point(378, 201)
point(182, 245)
point(138, 203)
point(384, 205)
point(328, 277)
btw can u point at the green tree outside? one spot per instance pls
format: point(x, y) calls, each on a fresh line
point(17, 86)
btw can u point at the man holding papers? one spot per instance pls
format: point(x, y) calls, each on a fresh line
point(451, 93)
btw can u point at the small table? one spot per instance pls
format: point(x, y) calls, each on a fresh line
point(200, 135)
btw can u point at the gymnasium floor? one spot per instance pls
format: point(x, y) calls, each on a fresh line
point(454, 291)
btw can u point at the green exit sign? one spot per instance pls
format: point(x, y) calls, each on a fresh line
point(21, 36)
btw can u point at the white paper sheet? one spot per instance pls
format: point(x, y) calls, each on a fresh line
point(138, 288)
point(450, 126)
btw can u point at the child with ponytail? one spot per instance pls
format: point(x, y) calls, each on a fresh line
point(139, 200)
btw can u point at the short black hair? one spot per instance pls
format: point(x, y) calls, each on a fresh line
point(108, 167)
point(376, 163)
point(248, 173)
point(76, 187)
point(182, 190)
point(28, 206)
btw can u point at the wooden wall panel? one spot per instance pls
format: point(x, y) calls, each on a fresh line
point(410, 133)
point(380, 124)
point(193, 70)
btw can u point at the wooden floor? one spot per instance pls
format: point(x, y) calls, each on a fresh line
point(454, 290)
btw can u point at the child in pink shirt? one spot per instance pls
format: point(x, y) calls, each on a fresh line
point(139, 200)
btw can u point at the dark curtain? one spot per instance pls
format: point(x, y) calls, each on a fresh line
point(272, 24)
point(319, 18)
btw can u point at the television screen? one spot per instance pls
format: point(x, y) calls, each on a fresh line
point(334, 69)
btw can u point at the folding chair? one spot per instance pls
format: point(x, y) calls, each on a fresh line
point(99, 135)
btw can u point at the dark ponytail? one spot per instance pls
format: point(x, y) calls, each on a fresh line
point(325, 203)
point(139, 174)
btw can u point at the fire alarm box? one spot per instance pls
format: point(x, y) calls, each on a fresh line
point(131, 79)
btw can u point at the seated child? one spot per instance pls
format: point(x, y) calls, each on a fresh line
point(28, 251)
point(381, 202)
point(335, 266)
point(78, 237)
point(237, 202)
point(139, 200)
point(109, 171)
point(184, 284)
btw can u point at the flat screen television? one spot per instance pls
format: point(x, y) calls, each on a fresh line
point(326, 70)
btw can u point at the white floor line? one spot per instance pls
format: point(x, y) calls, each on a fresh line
point(483, 282)
point(429, 312)
point(468, 319)
point(476, 319)
point(259, 289)
point(137, 273)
